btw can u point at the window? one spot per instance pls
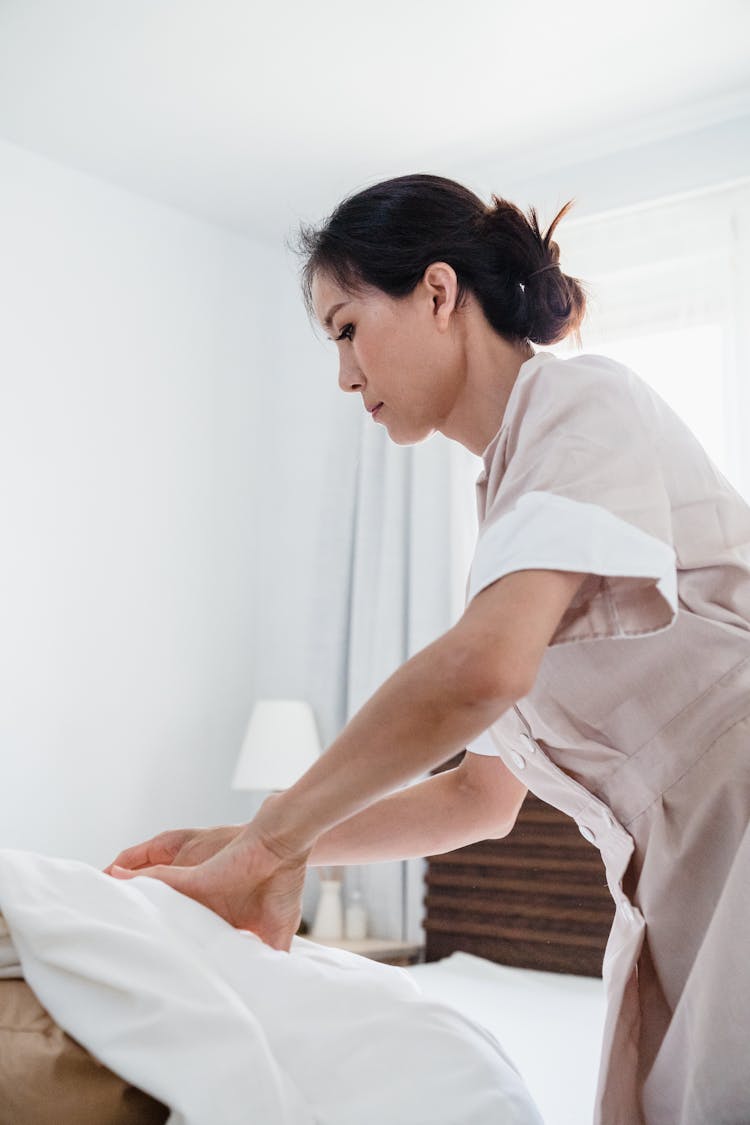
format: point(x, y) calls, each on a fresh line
point(684, 366)
point(669, 295)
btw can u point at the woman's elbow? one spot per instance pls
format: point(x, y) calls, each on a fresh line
point(492, 792)
point(500, 680)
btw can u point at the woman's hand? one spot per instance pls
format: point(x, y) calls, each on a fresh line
point(254, 882)
point(183, 847)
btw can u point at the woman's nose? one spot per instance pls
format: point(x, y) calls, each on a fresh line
point(350, 379)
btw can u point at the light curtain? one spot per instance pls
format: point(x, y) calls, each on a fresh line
point(397, 547)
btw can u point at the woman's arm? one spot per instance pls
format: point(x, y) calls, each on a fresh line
point(425, 713)
point(479, 800)
point(430, 708)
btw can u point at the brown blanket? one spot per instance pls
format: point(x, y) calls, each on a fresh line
point(46, 1078)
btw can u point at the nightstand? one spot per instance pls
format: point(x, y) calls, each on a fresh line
point(390, 952)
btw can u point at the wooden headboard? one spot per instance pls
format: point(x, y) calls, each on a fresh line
point(536, 899)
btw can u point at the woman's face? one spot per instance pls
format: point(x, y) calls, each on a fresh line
point(401, 355)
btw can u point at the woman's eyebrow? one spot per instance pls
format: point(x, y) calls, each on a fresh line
point(328, 320)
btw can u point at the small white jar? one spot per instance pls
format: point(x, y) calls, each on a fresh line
point(329, 920)
point(356, 917)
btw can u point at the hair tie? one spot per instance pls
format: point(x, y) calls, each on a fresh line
point(551, 266)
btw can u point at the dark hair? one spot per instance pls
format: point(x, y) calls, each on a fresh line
point(387, 235)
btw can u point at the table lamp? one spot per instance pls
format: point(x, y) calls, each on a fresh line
point(281, 743)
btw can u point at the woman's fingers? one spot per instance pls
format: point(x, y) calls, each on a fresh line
point(177, 877)
point(160, 849)
point(248, 886)
point(130, 859)
point(184, 847)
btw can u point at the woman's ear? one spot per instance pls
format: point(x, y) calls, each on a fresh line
point(441, 281)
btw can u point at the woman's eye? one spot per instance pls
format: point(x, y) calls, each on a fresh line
point(346, 332)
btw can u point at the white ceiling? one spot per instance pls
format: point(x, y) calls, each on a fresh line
point(255, 115)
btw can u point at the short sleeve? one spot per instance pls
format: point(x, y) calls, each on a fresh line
point(575, 483)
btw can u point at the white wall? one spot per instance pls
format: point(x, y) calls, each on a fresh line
point(133, 350)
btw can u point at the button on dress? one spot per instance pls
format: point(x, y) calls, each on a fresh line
point(638, 723)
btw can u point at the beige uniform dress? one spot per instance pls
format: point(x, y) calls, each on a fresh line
point(638, 724)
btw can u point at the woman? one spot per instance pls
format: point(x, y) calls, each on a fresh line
point(602, 661)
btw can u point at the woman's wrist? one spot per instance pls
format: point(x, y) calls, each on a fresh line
point(276, 827)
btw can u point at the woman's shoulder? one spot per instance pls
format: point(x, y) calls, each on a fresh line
point(553, 387)
point(584, 367)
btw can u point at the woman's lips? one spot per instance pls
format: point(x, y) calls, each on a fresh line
point(375, 411)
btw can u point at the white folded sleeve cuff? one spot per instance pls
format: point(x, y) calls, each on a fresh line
point(632, 590)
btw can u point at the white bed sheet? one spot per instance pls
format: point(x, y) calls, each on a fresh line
point(550, 1025)
point(225, 1030)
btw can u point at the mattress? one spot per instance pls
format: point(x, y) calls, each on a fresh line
point(549, 1024)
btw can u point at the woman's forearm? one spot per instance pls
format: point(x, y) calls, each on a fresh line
point(422, 715)
point(429, 818)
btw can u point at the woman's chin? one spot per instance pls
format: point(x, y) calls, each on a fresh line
point(407, 435)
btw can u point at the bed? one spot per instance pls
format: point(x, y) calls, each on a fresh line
point(532, 1014)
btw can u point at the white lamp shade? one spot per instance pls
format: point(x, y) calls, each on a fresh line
point(280, 745)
